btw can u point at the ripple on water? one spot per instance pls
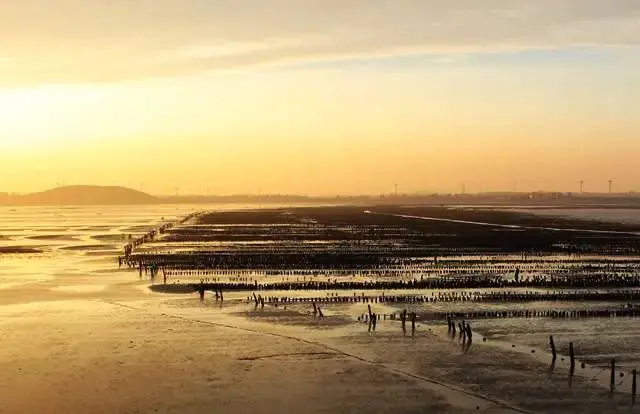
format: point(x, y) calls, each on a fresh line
point(19, 250)
point(109, 237)
point(53, 237)
point(97, 228)
point(79, 288)
point(138, 229)
point(89, 247)
point(49, 229)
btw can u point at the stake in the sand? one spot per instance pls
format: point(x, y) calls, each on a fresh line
point(469, 333)
point(572, 357)
point(553, 348)
point(413, 323)
point(612, 385)
point(633, 387)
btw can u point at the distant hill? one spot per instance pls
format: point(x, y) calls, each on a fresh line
point(96, 195)
point(83, 195)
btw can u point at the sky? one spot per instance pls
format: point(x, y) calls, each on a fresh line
point(320, 97)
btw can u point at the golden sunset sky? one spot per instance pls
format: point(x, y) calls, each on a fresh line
point(320, 96)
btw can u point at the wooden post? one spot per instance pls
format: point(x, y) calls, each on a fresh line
point(613, 375)
point(572, 356)
point(633, 387)
point(553, 347)
point(403, 319)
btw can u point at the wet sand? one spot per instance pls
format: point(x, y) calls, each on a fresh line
point(484, 375)
point(128, 350)
point(115, 358)
point(80, 336)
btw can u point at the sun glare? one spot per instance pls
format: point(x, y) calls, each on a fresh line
point(43, 115)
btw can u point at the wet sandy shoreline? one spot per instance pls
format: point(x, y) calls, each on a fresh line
point(86, 337)
point(85, 347)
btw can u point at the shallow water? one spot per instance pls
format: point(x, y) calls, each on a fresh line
point(596, 340)
point(67, 237)
point(78, 240)
point(80, 245)
point(630, 216)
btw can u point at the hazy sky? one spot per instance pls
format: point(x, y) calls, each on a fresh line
point(320, 96)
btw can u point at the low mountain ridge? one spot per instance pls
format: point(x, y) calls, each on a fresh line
point(84, 195)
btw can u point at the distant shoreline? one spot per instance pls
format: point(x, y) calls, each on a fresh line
point(99, 195)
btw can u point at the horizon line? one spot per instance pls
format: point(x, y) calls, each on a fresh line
point(337, 195)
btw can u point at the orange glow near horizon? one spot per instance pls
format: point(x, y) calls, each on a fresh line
point(270, 108)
